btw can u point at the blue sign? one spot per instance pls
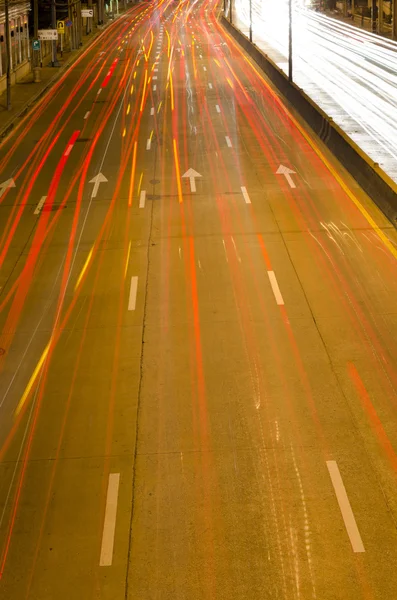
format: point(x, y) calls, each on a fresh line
point(68, 23)
point(36, 44)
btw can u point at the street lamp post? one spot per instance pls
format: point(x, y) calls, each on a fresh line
point(290, 41)
point(250, 20)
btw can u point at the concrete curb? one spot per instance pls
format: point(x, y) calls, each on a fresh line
point(5, 130)
point(374, 181)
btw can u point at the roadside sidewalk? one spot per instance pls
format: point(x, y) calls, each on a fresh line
point(26, 93)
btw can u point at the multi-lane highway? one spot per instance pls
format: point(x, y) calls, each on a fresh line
point(198, 336)
point(351, 74)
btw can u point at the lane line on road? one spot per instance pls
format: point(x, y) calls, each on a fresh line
point(68, 150)
point(228, 141)
point(109, 525)
point(152, 110)
point(87, 114)
point(345, 507)
point(275, 288)
point(99, 91)
point(40, 205)
point(142, 199)
point(217, 108)
point(154, 87)
point(154, 77)
point(148, 144)
point(245, 194)
point(210, 86)
point(205, 68)
point(133, 293)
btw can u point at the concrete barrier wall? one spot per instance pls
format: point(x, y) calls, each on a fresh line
point(368, 174)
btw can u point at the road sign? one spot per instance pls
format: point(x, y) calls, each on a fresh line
point(61, 27)
point(68, 23)
point(36, 44)
point(48, 34)
point(87, 12)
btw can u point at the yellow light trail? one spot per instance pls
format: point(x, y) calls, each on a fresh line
point(133, 165)
point(32, 379)
point(144, 91)
point(178, 173)
point(140, 183)
point(168, 43)
point(127, 260)
point(158, 110)
point(83, 270)
point(128, 109)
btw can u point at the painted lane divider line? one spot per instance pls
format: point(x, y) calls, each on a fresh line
point(142, 199)
point(133, 293)
point(148, 144)
point(152, 110)
point(109, 525)
point(228, 141)
point(210, 86)
point(154, 77)
point(345, 507)
point(154, 87)
point(217, 108)
point(87, 114)
point(40, 205)
point(68, 150)
point(275, 288)
point(245, 194)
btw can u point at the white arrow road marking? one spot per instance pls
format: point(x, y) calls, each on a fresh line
point(245, 194)
point(133, 292)
point(40, 205)
point(282, 170)
point(109, 525)
point(6, 184)
point(142, 199)
point(97, 180)
point(275, 288)
point(191, 174)
point(228, 141)
point(345, 507)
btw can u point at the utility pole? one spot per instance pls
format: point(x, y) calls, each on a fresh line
point(89, 19)
point(54, 61)
point(35, 52)
point(373, 16)
point(290, 41)
point(380, 16)
point(8, 46)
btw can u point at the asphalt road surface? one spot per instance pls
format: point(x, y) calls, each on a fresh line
point(198, 337)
